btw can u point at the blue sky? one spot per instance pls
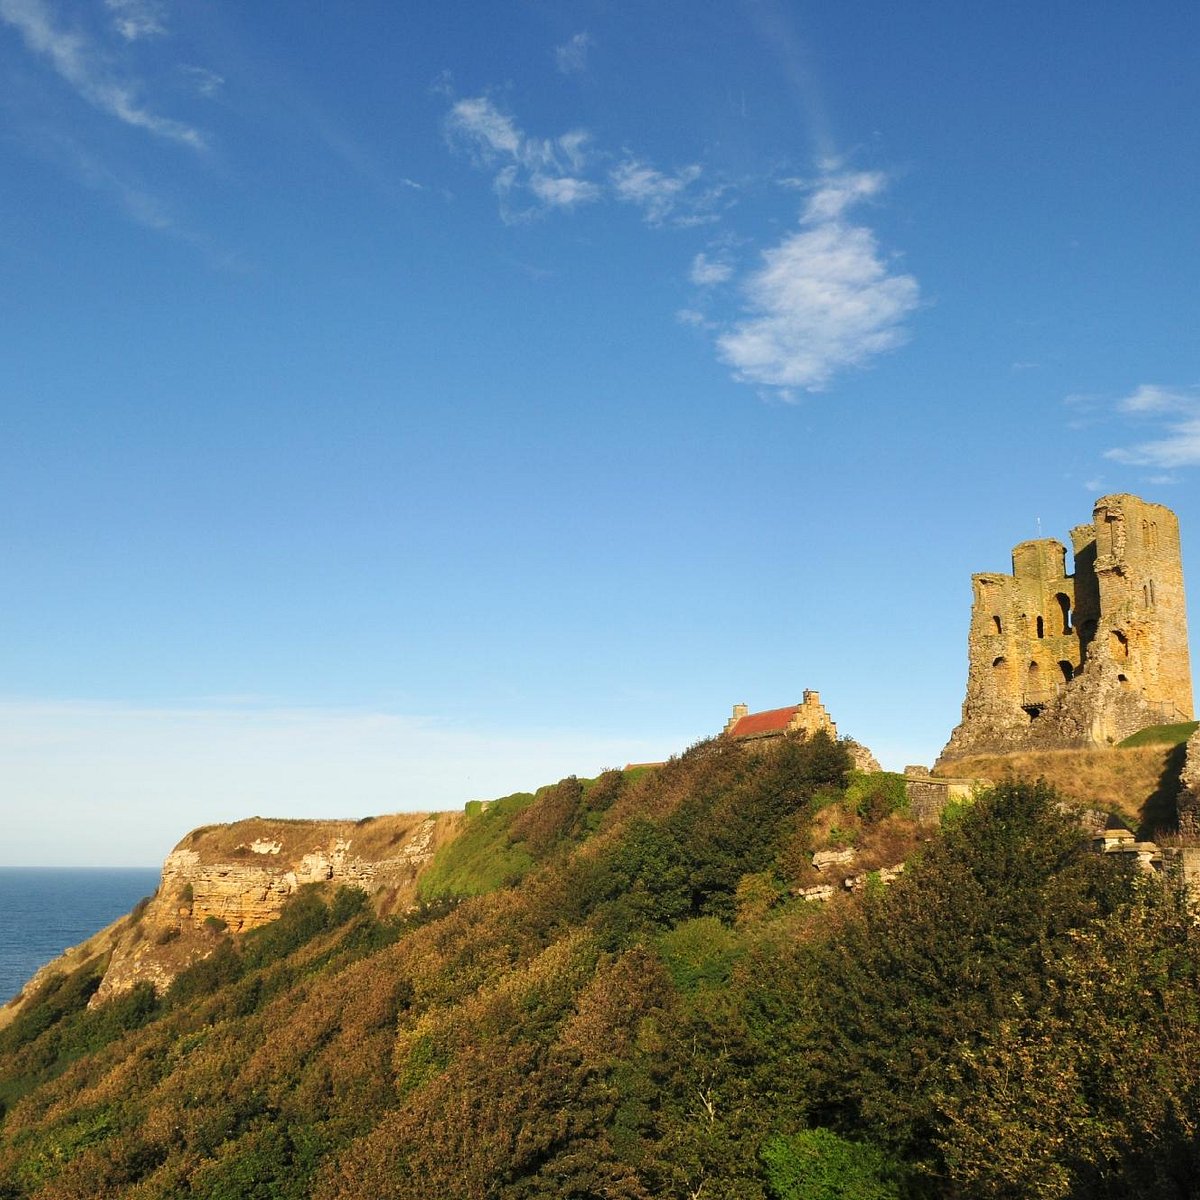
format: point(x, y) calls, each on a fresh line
point(409, 403)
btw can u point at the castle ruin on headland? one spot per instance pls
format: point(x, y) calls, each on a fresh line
point(1058, 660)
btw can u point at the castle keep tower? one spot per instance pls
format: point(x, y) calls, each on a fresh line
point(1060, 660)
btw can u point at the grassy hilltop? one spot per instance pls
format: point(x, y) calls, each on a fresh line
point(611, 988)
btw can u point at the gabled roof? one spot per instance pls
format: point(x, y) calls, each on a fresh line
point(775, 720)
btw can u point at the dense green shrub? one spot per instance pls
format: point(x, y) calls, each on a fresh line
point(817, 1164)
point(947, 954)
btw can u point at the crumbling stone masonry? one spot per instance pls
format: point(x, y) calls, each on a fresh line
point(1058, 660)
point(1188, 800)
point(928, 797)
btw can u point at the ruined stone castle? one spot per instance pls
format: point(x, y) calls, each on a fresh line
point(1085, 659)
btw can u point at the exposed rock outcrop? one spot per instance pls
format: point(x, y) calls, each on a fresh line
point(237, 877)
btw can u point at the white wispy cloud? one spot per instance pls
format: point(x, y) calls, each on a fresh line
point(563, 191)
point(206, 83)
point(571, 56)
point(824, 298)
point(77, 61)
point(1150, 398)
point(658, 195)
point(141, 206)
point(694, 319)
point(1177, 409)
point(534, 174)
point(708, 272)
point(542, 173)
point(135, 19)
point(835, 193)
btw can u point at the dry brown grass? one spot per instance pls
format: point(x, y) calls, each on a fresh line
point(1138, 783)
point(372, 839)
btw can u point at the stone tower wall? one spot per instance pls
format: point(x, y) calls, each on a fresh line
point(1083, 659)
point(1142, 633)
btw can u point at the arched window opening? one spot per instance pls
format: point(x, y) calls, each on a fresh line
point(1120, 644)
point(1041, 628)
point(1033, 674)
point(1067, 670)
point(999, 626)
point(1064, 602)
point(998, 662)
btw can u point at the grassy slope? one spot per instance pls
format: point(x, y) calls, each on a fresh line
point(1162, 735)
point(1138, 783)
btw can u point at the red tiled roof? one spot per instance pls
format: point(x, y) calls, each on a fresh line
point(773, 721)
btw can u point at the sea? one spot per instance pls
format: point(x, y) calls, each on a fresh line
point(45, 910)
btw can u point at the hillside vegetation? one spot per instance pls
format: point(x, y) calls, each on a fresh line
point(634, 1004)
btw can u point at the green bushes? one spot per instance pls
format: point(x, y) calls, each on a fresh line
point(816, 1164)
point(876, 795)
point(944, 956)
point(733, 824)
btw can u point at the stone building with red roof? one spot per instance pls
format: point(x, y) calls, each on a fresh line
point(808, 716)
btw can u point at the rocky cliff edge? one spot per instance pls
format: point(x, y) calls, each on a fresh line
point(235, 877)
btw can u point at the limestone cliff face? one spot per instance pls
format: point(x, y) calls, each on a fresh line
point(236, 877)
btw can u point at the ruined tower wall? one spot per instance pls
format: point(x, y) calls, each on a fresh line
point(1143, 616)
point(1084, 659)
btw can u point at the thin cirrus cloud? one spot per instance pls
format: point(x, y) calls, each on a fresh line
point(204, 82)
point(823, 300)
point(137, 19)
point(532, 174)
point(571, 56)
point(708, 272)
point(79, 63)
point(661, 197)
point(1178, 411)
